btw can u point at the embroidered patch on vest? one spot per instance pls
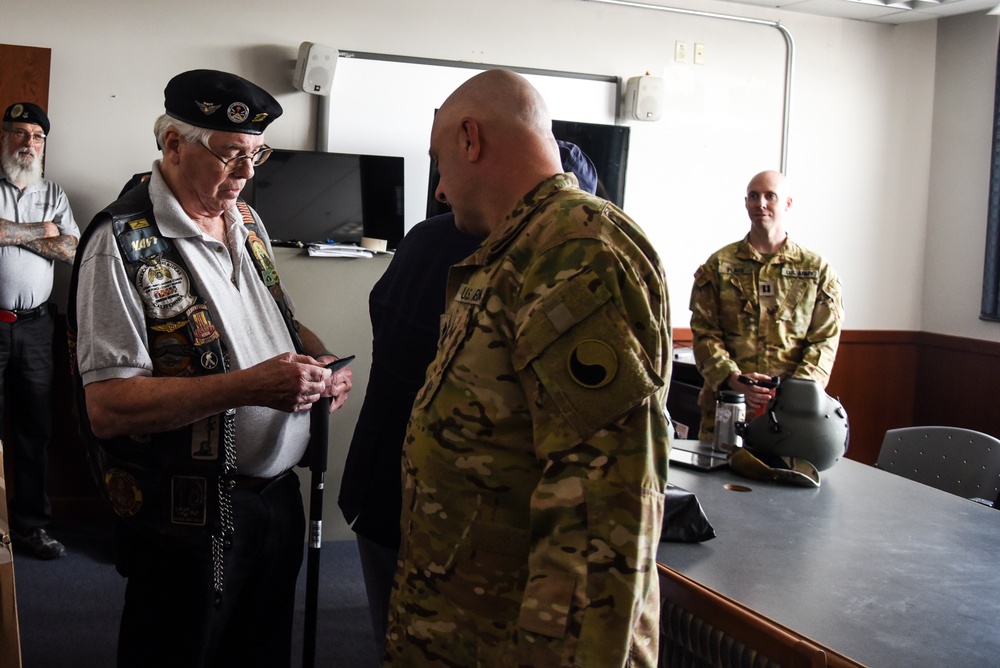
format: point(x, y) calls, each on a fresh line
point(171, 354)
point(123, 492)
point(165, 289)
point(204, 437)
point(202, 325)
point(267, 271)
point(188, 496)
point(141, 241)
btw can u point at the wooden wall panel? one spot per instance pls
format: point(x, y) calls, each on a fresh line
point(24, 75)
point(889, 379)
point(875, 379)
point(885, 379)
point(958, 383)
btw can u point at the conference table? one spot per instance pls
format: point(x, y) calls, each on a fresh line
point(884, 570)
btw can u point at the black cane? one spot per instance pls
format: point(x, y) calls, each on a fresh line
point(319, 435)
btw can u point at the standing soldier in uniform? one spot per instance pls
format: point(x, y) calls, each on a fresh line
point(535, 460)
point(37, 229)
point(763, 307)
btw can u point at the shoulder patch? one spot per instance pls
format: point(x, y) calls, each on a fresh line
point(592, 363)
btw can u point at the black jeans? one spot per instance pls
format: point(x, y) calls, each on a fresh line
point(170, 618)
point(26, 372)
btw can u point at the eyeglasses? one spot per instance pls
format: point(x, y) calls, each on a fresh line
point(22, 135)
point(256, 158)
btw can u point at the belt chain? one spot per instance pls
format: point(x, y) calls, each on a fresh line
point(223, 539)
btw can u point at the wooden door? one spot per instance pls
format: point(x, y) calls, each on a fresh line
point(24, 75)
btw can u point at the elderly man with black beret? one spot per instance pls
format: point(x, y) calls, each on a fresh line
point(198, 383)
point(37, 229)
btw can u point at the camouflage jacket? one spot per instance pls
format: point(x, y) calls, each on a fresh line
point(779, 316)
point(535, 459)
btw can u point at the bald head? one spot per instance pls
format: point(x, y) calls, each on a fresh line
point(492, 142)
point(771, 177)
point(768, 198)
point(501, 96)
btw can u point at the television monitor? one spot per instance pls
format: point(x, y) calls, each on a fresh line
point(313, 196)
point(605, 145)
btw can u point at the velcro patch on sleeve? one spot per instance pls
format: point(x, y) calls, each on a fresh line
point(586, 356)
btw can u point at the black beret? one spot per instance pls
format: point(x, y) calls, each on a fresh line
point(26, 112)
point(220, 101)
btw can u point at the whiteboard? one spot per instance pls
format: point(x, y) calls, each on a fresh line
point(384, 105)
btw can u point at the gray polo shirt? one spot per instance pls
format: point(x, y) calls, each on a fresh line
point(112, 332)
point(25, 276)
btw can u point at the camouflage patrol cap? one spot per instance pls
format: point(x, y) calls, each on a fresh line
point(220, 101)
point(27, 112)
point(791, 471)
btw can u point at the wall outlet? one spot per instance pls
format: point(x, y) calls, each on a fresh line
point(680, 52)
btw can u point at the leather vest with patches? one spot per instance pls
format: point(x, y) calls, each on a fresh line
point(175, 482)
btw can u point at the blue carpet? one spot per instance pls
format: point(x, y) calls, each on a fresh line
point(68, 609)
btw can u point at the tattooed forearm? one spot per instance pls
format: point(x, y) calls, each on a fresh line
point(20, 234)
point(60, 249)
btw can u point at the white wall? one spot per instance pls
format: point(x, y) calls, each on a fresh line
point(860, 123)
point(959, 183)
point(860, 152)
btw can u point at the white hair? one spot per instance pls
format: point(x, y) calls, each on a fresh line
point(190, 133)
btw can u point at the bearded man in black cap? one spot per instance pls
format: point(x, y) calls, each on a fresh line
point(37, 229)
point(197, 383)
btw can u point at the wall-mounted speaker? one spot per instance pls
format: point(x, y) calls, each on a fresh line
point(643, 98)
point(314, 68)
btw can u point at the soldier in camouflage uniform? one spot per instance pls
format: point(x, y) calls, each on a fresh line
point(535, 460)
point(763, 307)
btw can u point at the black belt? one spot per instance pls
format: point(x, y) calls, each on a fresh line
point(256, 484)
point(30, 314)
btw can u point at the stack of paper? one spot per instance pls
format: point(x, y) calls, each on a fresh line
point(337, 250)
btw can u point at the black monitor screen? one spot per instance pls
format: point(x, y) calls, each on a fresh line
point(311, 196)
point(605, 145)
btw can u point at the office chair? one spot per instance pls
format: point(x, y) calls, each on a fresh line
point(955, 460)
point(700, 628)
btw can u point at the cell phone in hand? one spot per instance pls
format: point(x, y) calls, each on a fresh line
point(769, 384)
point(340, 363)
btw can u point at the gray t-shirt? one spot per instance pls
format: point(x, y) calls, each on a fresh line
point(112, 340)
